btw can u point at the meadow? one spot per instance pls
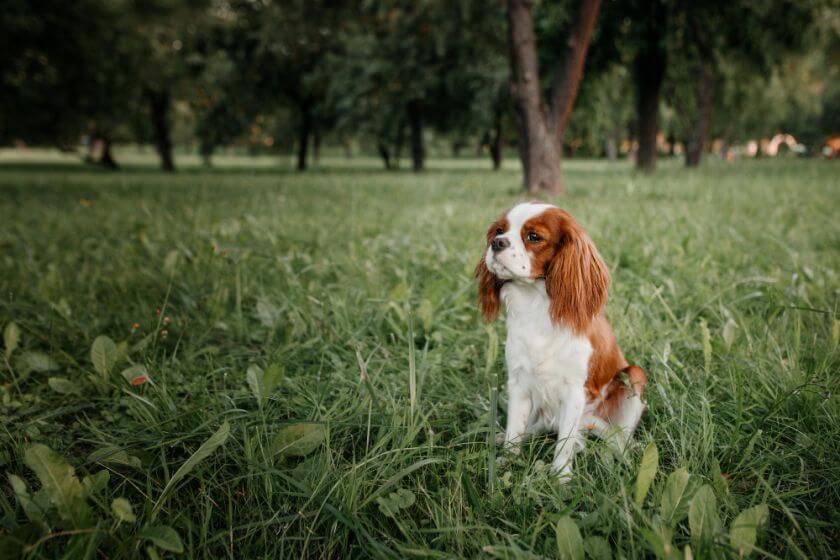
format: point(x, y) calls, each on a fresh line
point(246, 362)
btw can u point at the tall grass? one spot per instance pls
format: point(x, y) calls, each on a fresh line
point(356, 287)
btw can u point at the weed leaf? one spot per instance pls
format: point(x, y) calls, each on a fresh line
point(37, 362)
point(64, 386)
point(674, 498)
point(647, 471)
point(597, 548)
point(744, 530)
point(33, 511)
point(298, 440)
point(121, 508)
point(163, 537)
point(11, 338)
point(114, 455)
point(703, 517)
point(103, 355)
point(569, 541)
point(205, 450)
point(59, 481)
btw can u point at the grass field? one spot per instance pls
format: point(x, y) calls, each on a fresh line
point(320, 384)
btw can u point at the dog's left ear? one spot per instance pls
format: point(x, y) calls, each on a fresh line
point(576, 279)
point(489, 288)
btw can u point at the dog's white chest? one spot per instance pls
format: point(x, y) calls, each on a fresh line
point(545, 358)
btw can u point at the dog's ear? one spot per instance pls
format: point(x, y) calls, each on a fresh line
point(576, 279)
point(489, 289)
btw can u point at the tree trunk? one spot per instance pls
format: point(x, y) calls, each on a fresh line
point(649, 72)
point(384, 153)
point(398, 145)
point(566, 84)
point(415, 122)
point(703, 120)
point(496, 143)
point(159, 104)
point(541, 134)
point(537, 149)
point(107, 159)
point(304, 132)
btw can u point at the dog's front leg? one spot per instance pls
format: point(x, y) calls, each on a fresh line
point(569, 438)
point(518, 412)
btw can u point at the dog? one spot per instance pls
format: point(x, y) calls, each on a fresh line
point(566, 372)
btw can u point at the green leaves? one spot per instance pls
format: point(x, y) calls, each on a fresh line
point(114, 456)
point(597, 548)
point(298, 440)
point(64, 386)
point(569, 541)
point(122, 510)
point(59, 483)
point(391, 504)
point(647, 472)
point(103, 355)
point(35, 361)
point(163, 537)
point(205, 450)
point(262, 383)
point(11, 338)
point(703, 519)
point(674, 500)
point(744, 529)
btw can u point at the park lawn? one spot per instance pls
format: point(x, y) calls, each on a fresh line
point(351, 289)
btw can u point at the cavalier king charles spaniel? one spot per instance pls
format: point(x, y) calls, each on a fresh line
point(566, 373)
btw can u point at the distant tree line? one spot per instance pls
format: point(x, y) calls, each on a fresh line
point(550, 78)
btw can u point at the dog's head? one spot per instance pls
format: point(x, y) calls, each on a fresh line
point(534, 242)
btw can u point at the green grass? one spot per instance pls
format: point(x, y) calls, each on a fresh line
point(358, 284)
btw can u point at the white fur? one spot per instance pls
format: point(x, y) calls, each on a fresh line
point(547, 368)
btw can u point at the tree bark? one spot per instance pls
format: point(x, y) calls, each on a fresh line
point(496, 143)
point(566, 83)
point(703, 120)
point(540, 130)
point(107, 158)
point(159, 105)
point(384, 153)
point(649, 72)
point(304, 132)
point(537, 150)
point(415, 122)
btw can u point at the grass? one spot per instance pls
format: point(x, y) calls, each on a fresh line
point(364, 431)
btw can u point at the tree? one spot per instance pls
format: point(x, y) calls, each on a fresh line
point(62, 81)
point(541, 129)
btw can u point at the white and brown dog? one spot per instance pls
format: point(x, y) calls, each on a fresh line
point(566, 373)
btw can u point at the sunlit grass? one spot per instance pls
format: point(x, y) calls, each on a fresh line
point(725, 285)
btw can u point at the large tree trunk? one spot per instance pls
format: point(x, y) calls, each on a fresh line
point(415, 122)
point(649, 72)
point(107, 160)
point(496, 142)
point(537, 150)
point(159, 105)
point(304, 132)
point(541, 134)
point(703, 119)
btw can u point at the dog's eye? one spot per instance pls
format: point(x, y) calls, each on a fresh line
point(499, 231)
point(533, 237)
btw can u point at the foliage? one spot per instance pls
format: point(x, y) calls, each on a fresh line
point(268, 275)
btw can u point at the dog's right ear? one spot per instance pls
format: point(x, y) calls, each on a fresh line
point(489, 288)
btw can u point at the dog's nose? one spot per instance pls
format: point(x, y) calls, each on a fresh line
point(499, 244)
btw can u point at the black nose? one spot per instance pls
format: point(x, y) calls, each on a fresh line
point(499, 244)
